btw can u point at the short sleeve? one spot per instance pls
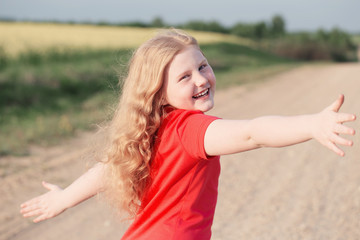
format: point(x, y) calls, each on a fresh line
point(191, 128)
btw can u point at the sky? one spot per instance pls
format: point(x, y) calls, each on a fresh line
point(299, 15)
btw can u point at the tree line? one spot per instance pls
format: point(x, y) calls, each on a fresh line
point(335, 44)
point(259, 30)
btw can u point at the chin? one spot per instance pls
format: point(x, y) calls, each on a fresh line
point(206, 108)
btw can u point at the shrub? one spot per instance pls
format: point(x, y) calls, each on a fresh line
point(341, 45)
point(335, 45)
point(277, 26)
point(199, 25)
point(157, 22)
point(243, 30)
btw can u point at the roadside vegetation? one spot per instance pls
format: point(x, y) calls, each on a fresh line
point(47, 97)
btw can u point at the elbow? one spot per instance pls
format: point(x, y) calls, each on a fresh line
point(255, 136)
point(254, 143)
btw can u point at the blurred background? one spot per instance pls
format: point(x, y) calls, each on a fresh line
point(60, 64)
point(60, 61)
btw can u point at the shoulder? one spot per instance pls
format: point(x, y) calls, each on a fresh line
point(186, 121)
point(185, 129)
point(180, 115)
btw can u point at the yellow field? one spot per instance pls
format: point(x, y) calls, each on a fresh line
point(20, 37)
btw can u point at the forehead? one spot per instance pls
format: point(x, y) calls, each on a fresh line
point(185, 60)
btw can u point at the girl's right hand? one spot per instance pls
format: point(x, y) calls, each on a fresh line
point(45, 206)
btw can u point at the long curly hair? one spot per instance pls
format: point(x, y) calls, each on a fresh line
point(138, 117)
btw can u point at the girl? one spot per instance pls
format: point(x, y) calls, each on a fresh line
point(162, 165)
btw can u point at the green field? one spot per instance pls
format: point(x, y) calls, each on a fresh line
point(47, 96)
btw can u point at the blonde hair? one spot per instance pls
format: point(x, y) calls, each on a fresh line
point(138, 117)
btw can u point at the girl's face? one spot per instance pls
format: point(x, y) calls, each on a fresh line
point(190, 81)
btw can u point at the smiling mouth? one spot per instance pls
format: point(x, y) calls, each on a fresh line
point(201, 94)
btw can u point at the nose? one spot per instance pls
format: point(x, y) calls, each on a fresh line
point(200, 79)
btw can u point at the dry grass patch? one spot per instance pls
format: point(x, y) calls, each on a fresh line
point(19, 37)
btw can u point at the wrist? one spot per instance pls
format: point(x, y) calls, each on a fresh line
point(72, 196)
point(313, 125)
point(65, 199)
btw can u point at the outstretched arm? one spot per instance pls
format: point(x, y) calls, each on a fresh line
point(232, 136)
point(57, 200)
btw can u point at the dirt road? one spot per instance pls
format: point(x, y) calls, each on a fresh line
point(299, 192)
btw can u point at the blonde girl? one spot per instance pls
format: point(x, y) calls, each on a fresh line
point(162, 165)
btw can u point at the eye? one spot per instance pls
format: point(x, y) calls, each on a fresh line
point(184, 77)
point(202, 67)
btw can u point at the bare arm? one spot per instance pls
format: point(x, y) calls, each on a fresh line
point(232, 136)
point(57, 200)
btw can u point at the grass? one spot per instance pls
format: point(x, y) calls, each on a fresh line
point(48, 96)
point(44, 101)
point(236, 64)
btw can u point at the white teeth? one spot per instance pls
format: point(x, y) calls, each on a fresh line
point(201, 94)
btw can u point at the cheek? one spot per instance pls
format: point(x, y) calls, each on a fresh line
point(174, 95)
point(211, 77)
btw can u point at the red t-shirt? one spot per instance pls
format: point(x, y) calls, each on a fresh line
point(181, 200)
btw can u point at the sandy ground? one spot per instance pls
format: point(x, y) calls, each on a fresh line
point(299, 192)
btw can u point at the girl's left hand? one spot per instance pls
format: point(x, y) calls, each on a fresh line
point(328, 125)
point(45, 206)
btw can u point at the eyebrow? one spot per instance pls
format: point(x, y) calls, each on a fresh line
point(185, 72)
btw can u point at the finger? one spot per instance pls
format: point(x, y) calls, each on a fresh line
point(335, 149)
point(342, 129)
point(40, 218)
point(29, 209)
point(49, 186)
point(345, 117)
point(335, 106)
point(33, 213)
point(30, 202)
point(342, 141)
